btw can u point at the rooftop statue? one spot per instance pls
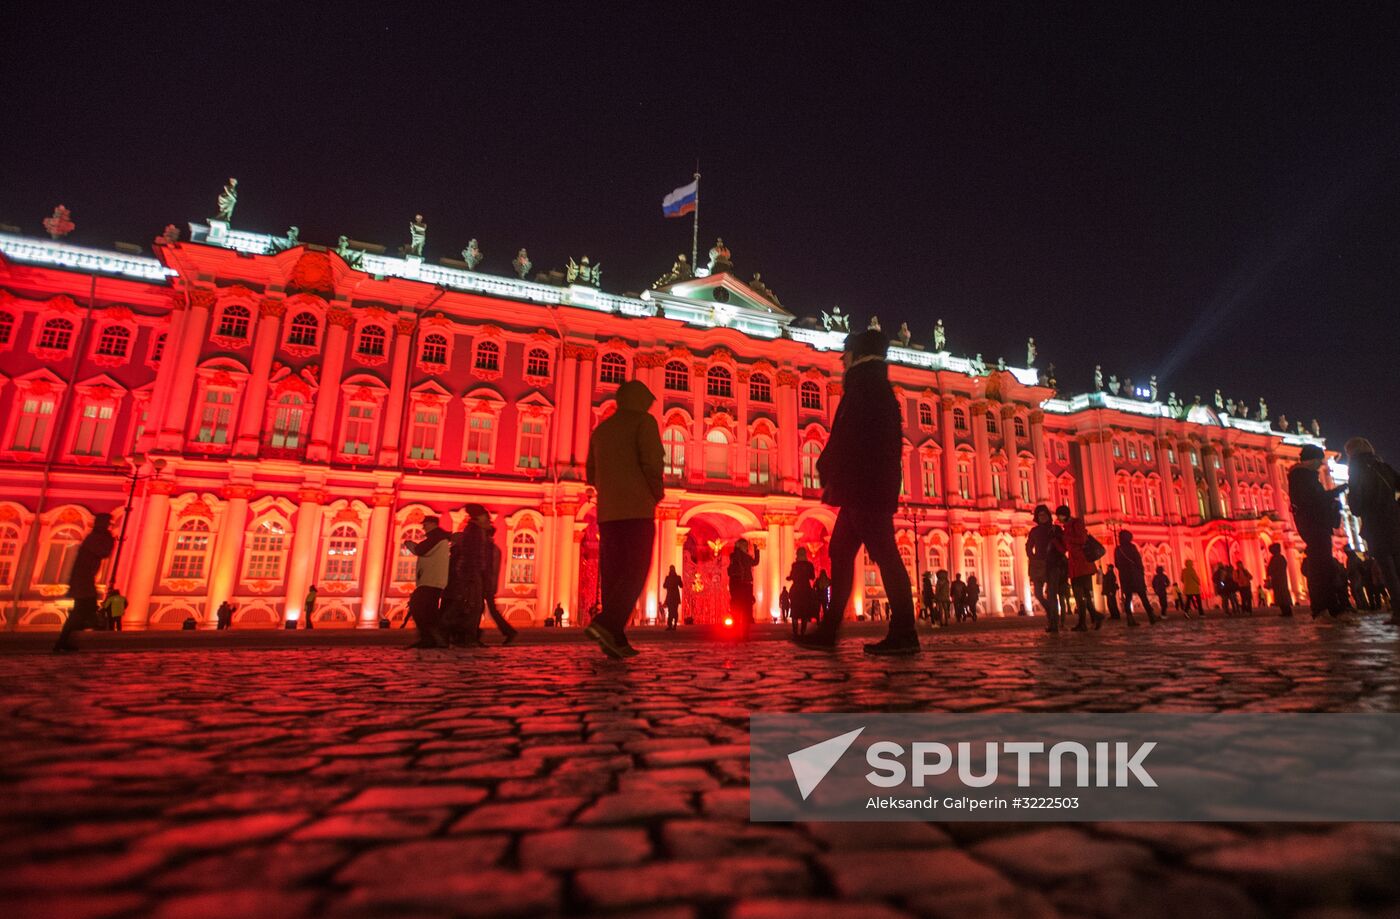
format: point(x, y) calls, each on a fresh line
point(60, 224)
point(1172, 402)
point(169, 236)
point(836, 321)
point(680, 271)
point(1128, 389)
point(1263, 409)
point(904, 336)
point(472, 255)
point(1152, 387)
point(979, 366)
point(417, 236)
point(1098, 378)
point(1316, 428)
point(522, 264)
point(1050, 377)
point(874, 323)
point(719, 257)
point(228, 199)
point(1230, 406)
point(1219, 402)
point(940, 338)
point(1283, 423)
point(1113, 384)
point(1031, 352)
point(290, 241)
point(353, 257)
point(584, 272)
point(1001, 364)
point(1197, 402)
point(1300, 428)
point(762, 289)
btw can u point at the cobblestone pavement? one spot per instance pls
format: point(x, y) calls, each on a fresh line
point(540, 779)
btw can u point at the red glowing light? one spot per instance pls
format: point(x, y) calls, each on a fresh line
point(728, 622)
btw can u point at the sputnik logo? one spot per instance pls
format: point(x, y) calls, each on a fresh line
point(811, 764)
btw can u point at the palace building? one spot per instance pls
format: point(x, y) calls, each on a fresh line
point(261, 415)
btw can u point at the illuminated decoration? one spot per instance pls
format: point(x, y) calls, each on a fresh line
point(311, 407)
point(60, 224)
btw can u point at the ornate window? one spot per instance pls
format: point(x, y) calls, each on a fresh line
point(531, 454)
point(928, 473)
point(7, 327)
point(373, 340)
point(1147, 453)
point(481, 439)
point(56, 336)
point(1064, 492)
point(288, 418)
point(303, 330)
point(359, 428)
point(1023, 484)
point(63, 548)
point(1019, 426)
point(1001, 485)
point(1139, 496)
point(434, 351)
point(488, 357)
point(965, 479)
point(537, 363)
point(673, 451)
point(522, 558)
point(1154, 500)
point(1005, 571)
point(425, 432)
point(191, 551)
point(267, 548)
point(760, 460)
point(342, 554)
point(677, 376)
point(1117, 449)
point(717, 454)
point(612, 368)
point(234, 322)
point(1061, 455)
point(810, 395)
point(114, 341)
point(406, 563)
point(969, 560)
point(215, 417)
point(991, 422)
point(1123, 495)
point(33, 421)
point(157, 348)
point(94, 429)
point(1132, 450)
point(959, 420)
point(811, 452)
point(760, 388)
point(926, 416)
point(719, 382)
point(9, 553)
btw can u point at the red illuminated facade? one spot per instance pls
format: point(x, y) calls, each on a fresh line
point(280, 419)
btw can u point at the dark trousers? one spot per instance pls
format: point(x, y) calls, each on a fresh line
point(856, 527)
point(489, 606)
point(1083, 589)
point(1141, 594)
point(1320, 571)
point(624, 555)
point(83, 615)
point(425, 606)
point(1047, 590)
point(1283, 597)
point(1111, 598)
point(1194, 600)
point(1246, 601)
point(1388, 560)
point(673, 614)
point(1162, 602)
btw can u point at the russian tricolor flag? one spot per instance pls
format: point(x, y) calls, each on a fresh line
point(681, 201)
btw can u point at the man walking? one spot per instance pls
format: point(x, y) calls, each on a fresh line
point(113, 609)
point(860, 471)
point(1109, 581)
point(491, 582)
point(1160, 583)
point(672, 587)
point(1133, 575)
point(1372, 497)
point(425, 603)
point(625, 466)
point(1316, 513)
point(82, 581)
point(1278, 580)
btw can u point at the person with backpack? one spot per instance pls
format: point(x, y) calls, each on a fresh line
point(82, 581)
point(1160, 583)
point(1372, 497)
point(958, 591)
point(1081, 546)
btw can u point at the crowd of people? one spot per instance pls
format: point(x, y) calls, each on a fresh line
point(860, 469)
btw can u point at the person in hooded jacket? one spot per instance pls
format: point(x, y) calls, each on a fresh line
point(672, 585)
point(806, 604)
point(625, 462)
point(432, 573)
point(926, 595)
point(1160, 583)
point(1081, 570)
point(1109, 581)
point(1045, 550)
point(1191, 589)
point(1133, 576)
point(861, 469)
point(974, 596)
point(742, 562)
point(1374, 485)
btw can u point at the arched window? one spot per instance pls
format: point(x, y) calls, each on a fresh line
point(1020, 427)
point(1146, 452)
point(537, 363)
point(522, 558)
point(677, 376)
point(287, 422)
point(969, 561)
point(1139, 496)
point(1023, 484)
point(373, 340)
point(959, 420)
point(56, 335)
point(434, 349)
point(965, 479)
point(1064, 492)
point(114, 341)
point(926, 415)
point(1132, 450)
point(191, 550)
point(719, 382)
point(1006, 572)
point(233, 323)
point(673, 451)
point(760, 460)
point(266, 550)
point(1154, 499)
point(215, 416)
point(810, 394)
point(304, 329)
point(612, 368)
point(928, 472)
point(760, 388)
point(63, 547)
point(481, 435)
point(1266, 498)
point(1123, 495)
point(935, 558)
point(9, 553)
point(158, 347)
point(406, 565)
point(717, 454)
point(488, 356)
point(7, 326)
point(1001, 485)
point(991, 422)
point(811, 452)
point(342, 553)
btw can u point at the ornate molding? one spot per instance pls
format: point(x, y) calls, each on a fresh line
point(340, 316)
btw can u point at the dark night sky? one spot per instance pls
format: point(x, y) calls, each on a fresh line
point(1210, 196)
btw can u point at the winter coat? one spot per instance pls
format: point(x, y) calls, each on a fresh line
point(625, 458)
point(862, 463)
point(805, 600)
point(1371, 496)
point(1045, 547)
point(1190, 581)
point(1128, 560)
point(1076, 535)
point(1160, 583)
point(672, 585)
point(1278, 572)
point(434, 558)
point(1315, 509)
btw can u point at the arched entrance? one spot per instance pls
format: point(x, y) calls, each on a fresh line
point(588, 572)
point(705, 555)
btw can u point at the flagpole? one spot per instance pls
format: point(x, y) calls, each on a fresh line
point(695, 226)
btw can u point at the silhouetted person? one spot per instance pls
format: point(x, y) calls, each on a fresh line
point(672, 587)
point(806, 604)
point(1133, 575)
point(861, 469)
point(491, 582)
point(1191, 588)
point(1110, 591)
point(1358, 579)
point(974, 596)
point(114, 608)
point(82, 581)
point(1160, 583)
point(1316, 514)
point(822, 585)
point(625, 466)
point(1371, 497)
point(558, 615)
point(309, 607)
point(1045, 551)
point(464, 597)
point(1278, 580)
point(926, 595)
point(1243, 587)
point(943, 597)
point(741, 592)
point(1225, 589)
point(434, 552)
point(1081, 567)
point(223, 616)
point(958, 590)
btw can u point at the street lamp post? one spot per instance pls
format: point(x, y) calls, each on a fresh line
point(135, 461)
point(916, 515)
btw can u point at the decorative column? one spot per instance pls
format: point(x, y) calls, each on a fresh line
point(1227, 456)
point(695, 468)
point(665, 556)
point(950, 452)
point(376, 557)
point(789, 441)
point(649, 373)
point(545, 588)
point(338, 322)
point(1009, 445)
point(985, 497)
point(566, 565)
point(834, 392)
point(148, 542)
point(391, 453)
point(567, 388)
point(301, 561)
point(165, 372)
point(741, 422)
point(186, 358)
point(1191, 512)
point(1021, 565)
point(250, 426)
point(1170, 511)
point(1089, 475)
point(228, 550)
point(955, 547)
point(1042, 473)
point(773, 558)
point(1208, 455)
point(583, 404)
point(991, 568)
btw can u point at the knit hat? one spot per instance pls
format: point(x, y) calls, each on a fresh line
point(1310, 452)
point(869, 343)
point(476, 510)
